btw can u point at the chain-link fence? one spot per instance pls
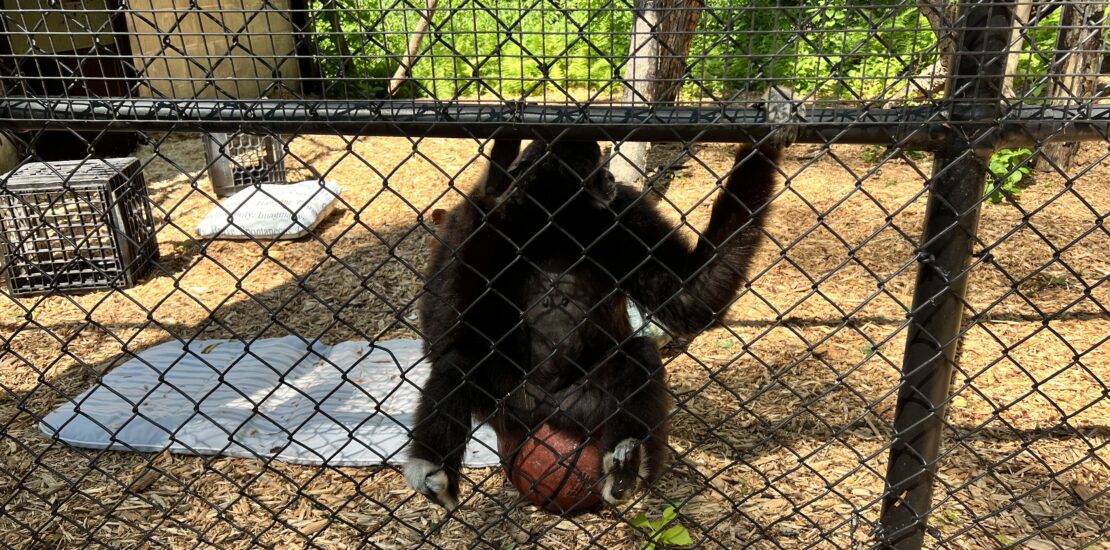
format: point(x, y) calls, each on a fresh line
point(891, 332)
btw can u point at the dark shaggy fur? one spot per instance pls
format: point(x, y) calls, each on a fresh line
point(524, 316)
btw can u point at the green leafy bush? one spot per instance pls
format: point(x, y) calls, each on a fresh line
point(508, 48)
point(827, 48)
point(1008, 170)
point(499, 46)
point(1037, 56)
point(665, 531)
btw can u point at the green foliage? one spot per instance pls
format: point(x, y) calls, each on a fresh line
point(913, 154)
point(342, 30)
point(877, 153)
point(1008, 168)
point(869, 350)
point(833, 56)
point(1037, 56)
point(872, 153)
point(828, 48)
point(499, 46)
point(665, 531)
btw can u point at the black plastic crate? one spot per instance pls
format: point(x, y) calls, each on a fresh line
point(75, 225)
point(243, 160)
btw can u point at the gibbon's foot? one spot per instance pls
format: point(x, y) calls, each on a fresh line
point(624, 468)
point(785, 114)
point(431, 481)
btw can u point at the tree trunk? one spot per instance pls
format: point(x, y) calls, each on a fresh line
point(1074, 73)
point(405, 70)
point(941, 16)
point(1021, 29)
point(307, 54)
point(678, 21)
point(340, 39)
point(661, 36)
point(922, 85)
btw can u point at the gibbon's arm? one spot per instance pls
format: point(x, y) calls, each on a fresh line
point(687, 290)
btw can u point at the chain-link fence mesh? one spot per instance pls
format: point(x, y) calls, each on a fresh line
point(948, 185)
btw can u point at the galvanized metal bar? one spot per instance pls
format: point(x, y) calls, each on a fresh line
point(974, 92)
point(925, 127)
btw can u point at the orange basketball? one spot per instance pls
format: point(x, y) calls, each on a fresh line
point(558, 471)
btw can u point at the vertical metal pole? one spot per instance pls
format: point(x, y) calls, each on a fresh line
point(973, 96)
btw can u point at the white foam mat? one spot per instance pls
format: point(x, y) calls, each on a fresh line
point(351, 404)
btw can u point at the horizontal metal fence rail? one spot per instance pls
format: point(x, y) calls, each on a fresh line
point(925, 128)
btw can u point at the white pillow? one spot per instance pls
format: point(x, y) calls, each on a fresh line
point(271, 211)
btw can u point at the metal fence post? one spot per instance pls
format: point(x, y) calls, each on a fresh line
point(974, 94)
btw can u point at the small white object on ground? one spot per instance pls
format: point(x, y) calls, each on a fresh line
point(271, 211)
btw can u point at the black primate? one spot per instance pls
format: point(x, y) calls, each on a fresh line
point(524, 315)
